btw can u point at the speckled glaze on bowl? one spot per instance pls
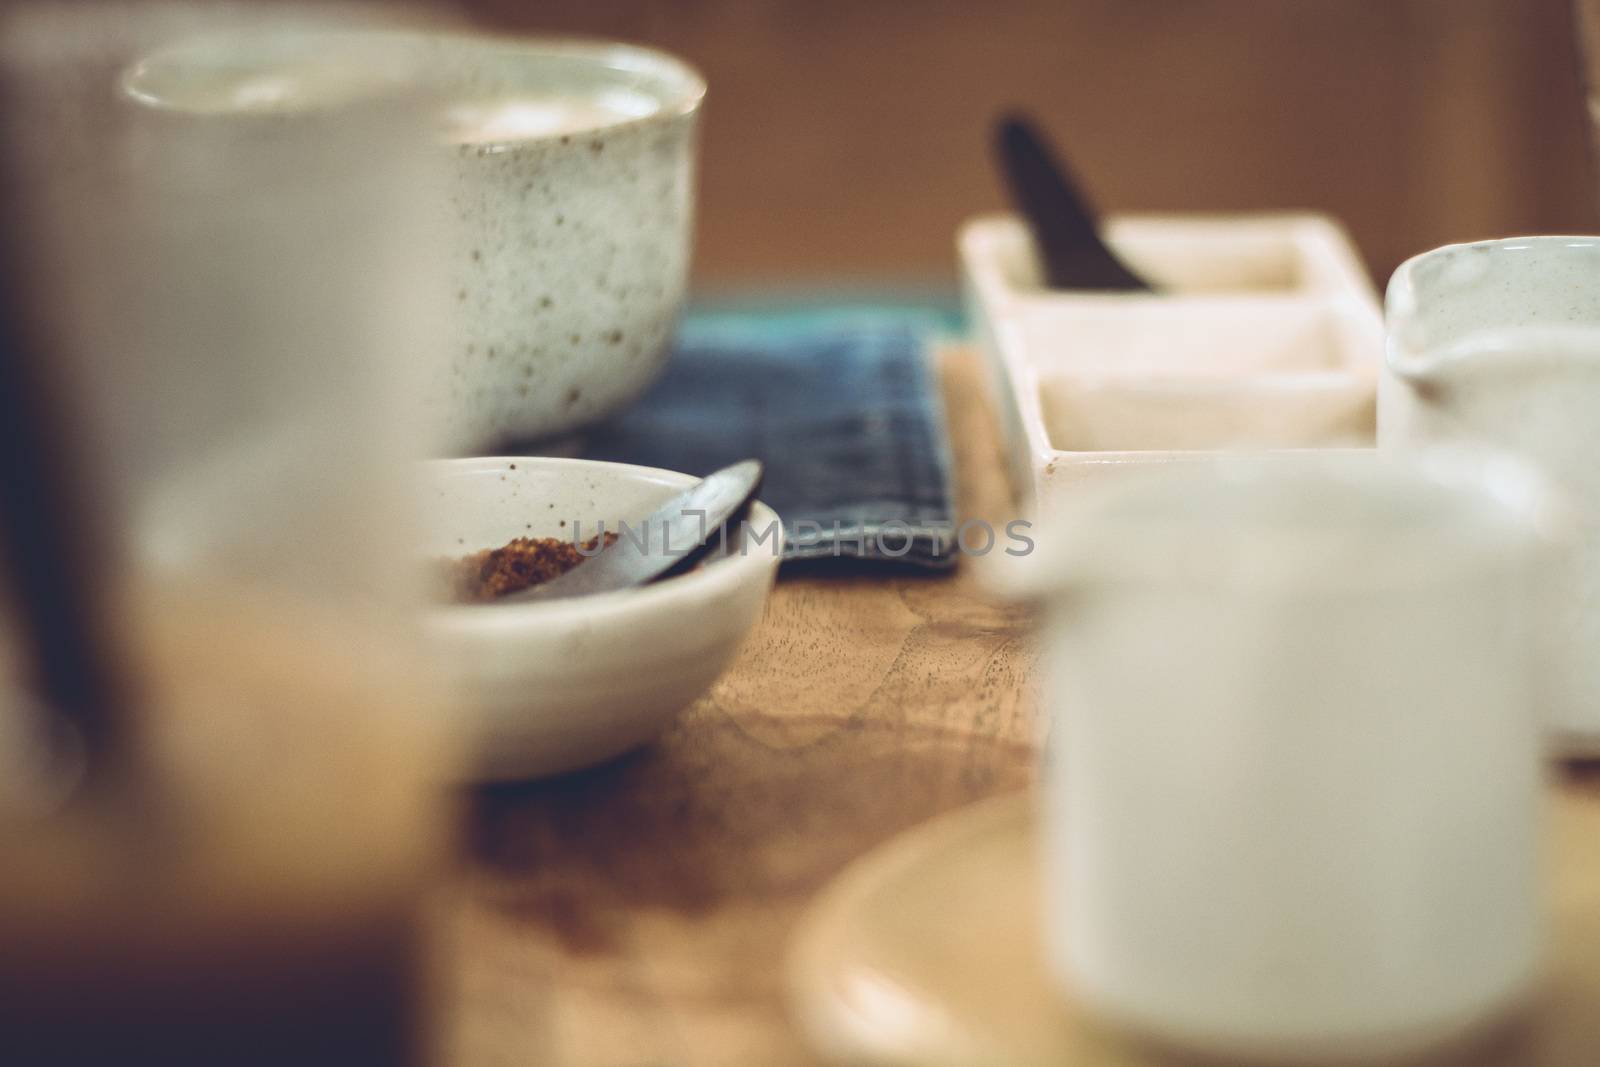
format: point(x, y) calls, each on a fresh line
point(554, 687)
point(572, 249)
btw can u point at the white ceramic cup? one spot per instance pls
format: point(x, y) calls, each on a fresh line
point(1498, 344)
point(1293, 773)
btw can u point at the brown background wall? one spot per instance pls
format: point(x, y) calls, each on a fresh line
point(847, 139)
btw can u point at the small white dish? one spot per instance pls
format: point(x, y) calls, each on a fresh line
point(1266, 336)
point(559, 686)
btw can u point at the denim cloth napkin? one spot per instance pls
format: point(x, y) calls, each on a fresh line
point(846, 415)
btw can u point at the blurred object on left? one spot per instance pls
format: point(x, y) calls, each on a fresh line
point(227, 310)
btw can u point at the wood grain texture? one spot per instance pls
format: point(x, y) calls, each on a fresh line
point(638, 914)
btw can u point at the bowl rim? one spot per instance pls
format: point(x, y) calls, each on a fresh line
point(677, 86)
point(714, 581)
point(674, 71)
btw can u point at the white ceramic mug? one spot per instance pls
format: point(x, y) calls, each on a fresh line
point(1293, 781)
point(1498, 344)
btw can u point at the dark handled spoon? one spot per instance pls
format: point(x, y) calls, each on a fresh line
point(671, 536)
point(1065, 231)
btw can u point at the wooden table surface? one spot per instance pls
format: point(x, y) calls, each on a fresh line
point(637, 915)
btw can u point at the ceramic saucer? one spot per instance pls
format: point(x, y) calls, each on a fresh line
point(928, 952)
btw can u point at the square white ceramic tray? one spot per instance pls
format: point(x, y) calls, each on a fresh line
point(1267, 335)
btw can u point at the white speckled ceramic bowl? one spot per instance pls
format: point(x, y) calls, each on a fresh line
point(572, 245)
point(569, 201)
point(554, 687)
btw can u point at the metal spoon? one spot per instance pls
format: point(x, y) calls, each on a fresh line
point(671, 536)
point(1063, 222)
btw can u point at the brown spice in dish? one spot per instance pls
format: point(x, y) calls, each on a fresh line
point(525, 562)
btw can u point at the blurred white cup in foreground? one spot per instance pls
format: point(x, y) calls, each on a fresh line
point(1293, 784)
point(229, 307)
point(1498, 344)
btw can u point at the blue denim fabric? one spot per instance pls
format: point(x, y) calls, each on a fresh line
point(846, 415)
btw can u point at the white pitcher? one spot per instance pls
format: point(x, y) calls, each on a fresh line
point(1498, 343)
point(1294, 774)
